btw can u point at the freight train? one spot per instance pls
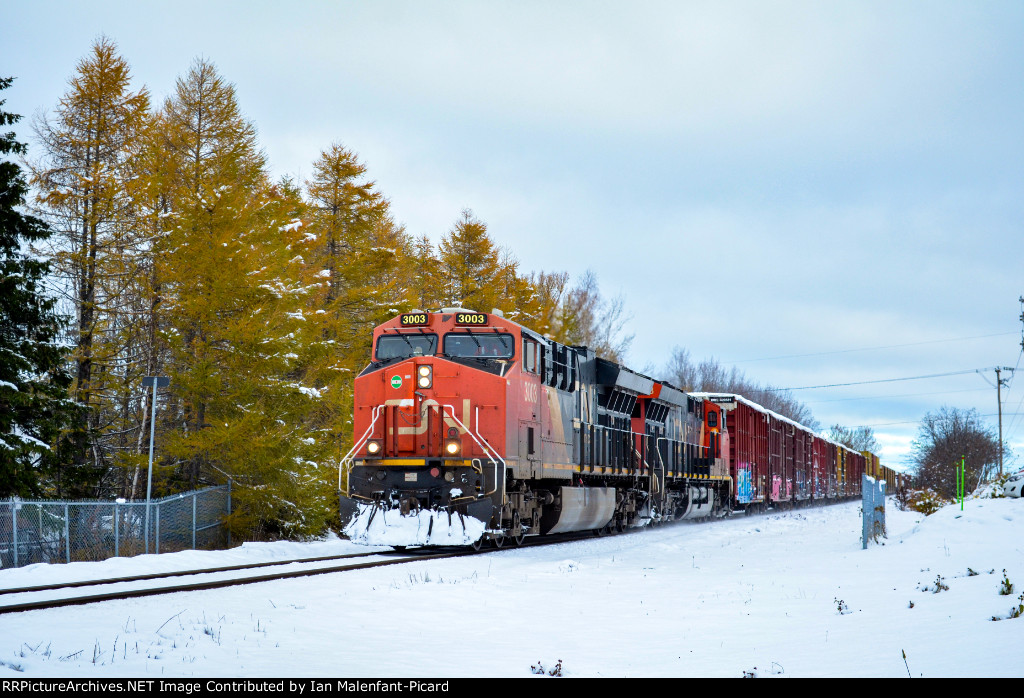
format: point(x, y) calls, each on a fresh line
point(470, 427)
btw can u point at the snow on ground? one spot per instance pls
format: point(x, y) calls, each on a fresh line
point(788, 594)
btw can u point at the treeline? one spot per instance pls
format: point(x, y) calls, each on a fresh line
point(709, 376)
point(171, 251)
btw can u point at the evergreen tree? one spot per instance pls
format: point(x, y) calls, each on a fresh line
point(33, 379)
point(233, 285)
point(423, 276)
point(469, 265)
point(360, 260)
point(87, 188)
point(358, 249)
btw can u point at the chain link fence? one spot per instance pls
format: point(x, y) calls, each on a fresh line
point(59, 531)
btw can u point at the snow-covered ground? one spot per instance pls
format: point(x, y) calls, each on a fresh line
point(788, 594)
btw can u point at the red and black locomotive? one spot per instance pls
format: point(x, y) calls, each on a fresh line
point(469, 426)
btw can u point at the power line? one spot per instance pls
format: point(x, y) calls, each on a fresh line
point(883, 380)
point(1012, 429)
point(890, 346)
point(893, 397)
point(913, 421)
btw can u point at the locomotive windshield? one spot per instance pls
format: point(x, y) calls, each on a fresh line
point(402, 346)
point(478, 345)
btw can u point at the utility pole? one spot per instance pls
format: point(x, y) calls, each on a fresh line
point(1021, 299)
point(999, 399)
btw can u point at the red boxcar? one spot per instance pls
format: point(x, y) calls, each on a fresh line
point(775, 461)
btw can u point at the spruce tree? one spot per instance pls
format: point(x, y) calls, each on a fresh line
point(33, 378)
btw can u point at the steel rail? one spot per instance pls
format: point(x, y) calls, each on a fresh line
point(216, 584)
point(180, 573)
point(239, 581)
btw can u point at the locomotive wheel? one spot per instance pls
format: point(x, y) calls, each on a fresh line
point(477, 544)
point(498, 540)
point(518, 536)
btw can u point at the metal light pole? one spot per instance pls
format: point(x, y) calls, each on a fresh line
point(155, 382)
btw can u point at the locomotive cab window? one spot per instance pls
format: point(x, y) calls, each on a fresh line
point(479, 345)
point(530, 363)
point(402, 346)
point(712, 419)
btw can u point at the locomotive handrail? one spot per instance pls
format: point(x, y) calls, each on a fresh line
point(662, 487)
point(478, 438)
point(358, 444)
point(486, 447)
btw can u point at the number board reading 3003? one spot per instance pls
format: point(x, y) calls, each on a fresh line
point(415, 319)
point(470, 319)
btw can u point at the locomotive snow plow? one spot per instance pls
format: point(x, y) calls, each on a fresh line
point(405, 524)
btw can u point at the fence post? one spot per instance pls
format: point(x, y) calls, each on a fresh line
point(157, 532)
point(13, 514)
point(229, 511)
point(117, 549)
point(194, 496)
point(67, 532)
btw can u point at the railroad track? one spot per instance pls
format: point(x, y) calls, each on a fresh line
point(14, 600)
point(33, 598)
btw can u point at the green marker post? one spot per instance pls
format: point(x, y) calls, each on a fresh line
point(961, 482)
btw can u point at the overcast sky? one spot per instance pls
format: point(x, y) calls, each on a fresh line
point(773, 184)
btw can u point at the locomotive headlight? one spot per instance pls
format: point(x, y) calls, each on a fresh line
point(425, 376)
point(373, 447)
point(452, 447)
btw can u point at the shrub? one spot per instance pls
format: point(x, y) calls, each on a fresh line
point(926, 501)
